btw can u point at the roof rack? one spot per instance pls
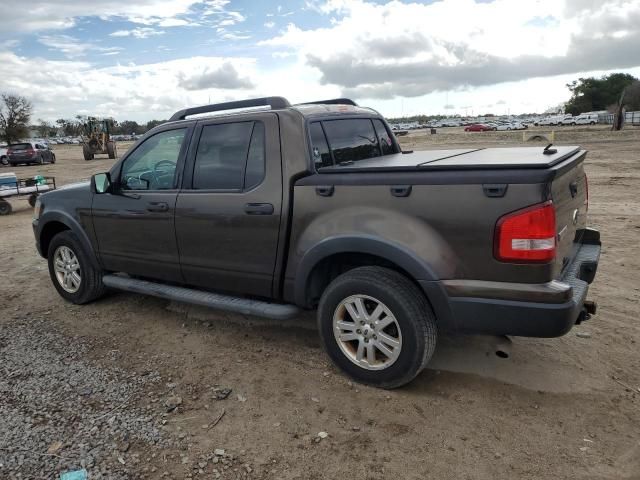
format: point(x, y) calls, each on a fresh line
point(332, 101)
point(273, 102)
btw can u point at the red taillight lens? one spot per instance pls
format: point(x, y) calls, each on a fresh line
point(528, 235)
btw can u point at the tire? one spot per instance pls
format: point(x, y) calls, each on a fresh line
point(53, 158)
point(32, 199)
point(5, 207)
point(412, 323)
point(111, 150)
point(90, 286)
point(40, 160)
point(86, 152)
point(4, 160)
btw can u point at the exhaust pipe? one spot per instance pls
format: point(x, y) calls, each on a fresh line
point(502, 346)
point(588, 308)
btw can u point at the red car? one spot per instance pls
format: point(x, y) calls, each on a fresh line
point(478, 127)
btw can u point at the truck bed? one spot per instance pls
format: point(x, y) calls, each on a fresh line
point(459, 159)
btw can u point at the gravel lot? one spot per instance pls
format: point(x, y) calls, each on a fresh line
point(133, 387)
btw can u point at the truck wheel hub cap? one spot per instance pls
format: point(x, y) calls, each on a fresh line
point(67, 269)
point(367, 332)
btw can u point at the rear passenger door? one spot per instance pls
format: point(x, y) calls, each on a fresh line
point(228, 211)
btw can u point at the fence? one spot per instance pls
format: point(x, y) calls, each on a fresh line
point(630, 118)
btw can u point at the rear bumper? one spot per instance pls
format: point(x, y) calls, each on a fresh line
point(540, 310)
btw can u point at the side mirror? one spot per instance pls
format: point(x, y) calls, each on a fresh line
point(101, 183)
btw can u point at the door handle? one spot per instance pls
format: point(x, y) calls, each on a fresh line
point(157, 206)
point(325, 191)
point(258, 209)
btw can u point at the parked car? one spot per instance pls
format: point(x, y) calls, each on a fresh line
point(316, 207)
point(29, 153)
point(480, 127)
point(586, 119)
point(4, 158)
point(567, 120)
point(511, 126)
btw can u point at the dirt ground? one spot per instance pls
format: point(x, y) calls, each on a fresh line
point(556, 408)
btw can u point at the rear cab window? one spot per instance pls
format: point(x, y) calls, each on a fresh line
point(349, 140)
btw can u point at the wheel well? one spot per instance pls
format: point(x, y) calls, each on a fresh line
point(327, 269)
point(49, 231)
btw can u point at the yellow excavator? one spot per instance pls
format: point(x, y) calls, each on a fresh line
point(96, 138)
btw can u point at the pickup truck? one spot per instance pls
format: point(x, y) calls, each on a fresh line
point(265, 208)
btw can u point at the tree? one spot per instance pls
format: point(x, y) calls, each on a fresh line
point(632, 97)
point(15, 113)
point(128, 127)
point(154, 123)
point(592, 94)
point(44, 128)
point(69, 128)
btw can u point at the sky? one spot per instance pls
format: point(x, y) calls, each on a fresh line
point(145, 59)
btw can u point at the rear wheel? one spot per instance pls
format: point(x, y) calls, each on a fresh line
point(32, 199)
point(377, 326)
point(5, 207)
point(4, 160)
point(72, 272)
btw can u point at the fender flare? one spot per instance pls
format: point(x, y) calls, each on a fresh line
point(393, 252)
point(74, 226)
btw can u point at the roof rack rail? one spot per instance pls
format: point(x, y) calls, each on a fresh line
point(273, 102)
point(332, 101)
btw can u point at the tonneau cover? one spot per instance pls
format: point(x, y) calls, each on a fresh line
point(484, 158)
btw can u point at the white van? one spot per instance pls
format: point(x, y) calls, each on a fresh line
point(586, 119)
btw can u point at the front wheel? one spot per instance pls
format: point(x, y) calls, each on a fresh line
point(4, 160)
point(73, 275)
point(377, 326)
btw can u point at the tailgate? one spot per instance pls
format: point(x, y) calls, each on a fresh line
point(569, 195)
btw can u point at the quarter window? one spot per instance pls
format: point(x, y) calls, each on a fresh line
point(152, 166)
point(386, 144)
point(320, 148)
point(351, 140)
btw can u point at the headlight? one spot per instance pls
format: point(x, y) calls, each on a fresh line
point(37, 209)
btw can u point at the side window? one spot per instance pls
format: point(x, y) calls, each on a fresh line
point(222, 156)
point(256, 158)
point(152, 166)
point(386, 144)
point(351, 139)
point(319, 147)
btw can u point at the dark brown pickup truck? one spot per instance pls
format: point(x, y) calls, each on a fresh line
point(264, 208)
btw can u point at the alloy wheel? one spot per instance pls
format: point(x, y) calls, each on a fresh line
point(367, 332)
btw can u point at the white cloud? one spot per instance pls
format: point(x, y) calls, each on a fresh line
point(140, 32)
point(408, 49)
point(269, 24)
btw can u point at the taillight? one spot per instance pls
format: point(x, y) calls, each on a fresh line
point(9, 152)
point(30, 151)
point(528, 235)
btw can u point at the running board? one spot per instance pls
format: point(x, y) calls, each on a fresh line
point(245, 306)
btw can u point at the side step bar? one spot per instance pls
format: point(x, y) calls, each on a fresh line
point(227, 303)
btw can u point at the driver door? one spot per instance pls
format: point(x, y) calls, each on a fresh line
point(134, 223)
